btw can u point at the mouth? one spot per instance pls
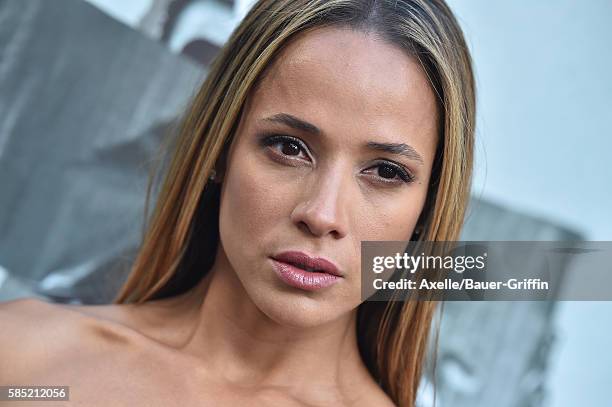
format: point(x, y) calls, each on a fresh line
point(308, 263)
point(304, 275)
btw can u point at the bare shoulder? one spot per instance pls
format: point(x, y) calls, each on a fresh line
point(30, 328)
point(55, 321)
point(37, 334)
point(26, 316)
point(32, 314)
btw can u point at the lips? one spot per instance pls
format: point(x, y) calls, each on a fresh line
point(308, 263)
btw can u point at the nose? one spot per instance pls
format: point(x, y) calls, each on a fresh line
point(323, 207)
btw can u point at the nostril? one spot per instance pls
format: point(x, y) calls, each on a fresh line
point(304, 227)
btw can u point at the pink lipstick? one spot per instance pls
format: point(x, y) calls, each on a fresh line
point(299, 270)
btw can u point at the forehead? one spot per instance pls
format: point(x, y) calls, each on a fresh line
point(350, 80)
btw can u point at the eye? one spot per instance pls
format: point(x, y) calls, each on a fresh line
point(391, 173)
point(289, 146)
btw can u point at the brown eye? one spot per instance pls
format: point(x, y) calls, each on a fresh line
point(386, 171)
point(391, 174)
point(290, 148)
point(286, 146)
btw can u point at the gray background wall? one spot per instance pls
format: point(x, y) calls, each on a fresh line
point(543, 71)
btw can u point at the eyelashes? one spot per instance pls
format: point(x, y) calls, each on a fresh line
point(274, 139)
point(396, 169)
point(389, 172)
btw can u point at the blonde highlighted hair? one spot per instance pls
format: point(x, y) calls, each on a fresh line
point(181, 237)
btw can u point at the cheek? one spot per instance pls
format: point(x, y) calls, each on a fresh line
point(393, 217)
point(249, 202)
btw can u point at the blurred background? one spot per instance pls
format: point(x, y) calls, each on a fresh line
point(89, 88)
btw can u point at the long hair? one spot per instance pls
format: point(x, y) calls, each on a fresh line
point(181, 237)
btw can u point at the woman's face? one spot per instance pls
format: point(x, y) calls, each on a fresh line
point(334, 147)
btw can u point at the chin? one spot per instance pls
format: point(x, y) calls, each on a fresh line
point(297, 309)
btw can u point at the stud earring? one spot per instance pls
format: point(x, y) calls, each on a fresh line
point(213, 175)
point(417, 231)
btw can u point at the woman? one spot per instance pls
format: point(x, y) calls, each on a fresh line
point(321, 124)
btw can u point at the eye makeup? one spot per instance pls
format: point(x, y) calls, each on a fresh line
point(398, 173)
point(391, 167)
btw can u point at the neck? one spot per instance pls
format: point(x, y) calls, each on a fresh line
point(246, 347)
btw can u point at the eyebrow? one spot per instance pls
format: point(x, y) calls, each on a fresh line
point(301, 125)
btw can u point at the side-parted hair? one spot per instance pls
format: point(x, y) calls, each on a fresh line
point(182, 235)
